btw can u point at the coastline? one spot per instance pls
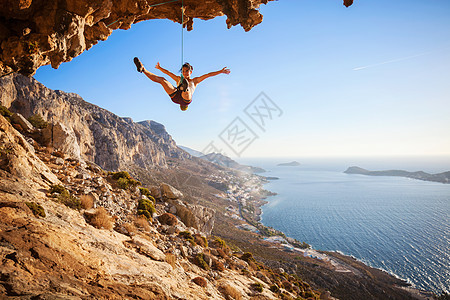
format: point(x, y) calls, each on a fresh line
point(336, 258)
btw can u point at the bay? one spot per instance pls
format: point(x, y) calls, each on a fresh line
point(396, 224)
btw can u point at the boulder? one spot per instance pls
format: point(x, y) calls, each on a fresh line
point(63, 139)
point(168, 219)
point(169, 192)
point(146, 248)
point(155, 191)
point(24, 123)
point(196, 216)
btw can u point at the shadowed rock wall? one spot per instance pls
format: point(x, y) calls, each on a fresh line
point(35, 33)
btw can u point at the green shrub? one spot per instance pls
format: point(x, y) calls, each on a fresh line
point(199, 260)
point(248, 257)
point(187, 236)
point(124, 180)
point(145, 208)
point(220, 243)
point(69, 200)
point(57, 188)
point(123, 183)
point(65, 197)
point(145, 204)
point(201, 240)
point(274, 289)
point(37, 121)
point(257, 286)
point(36, 208)
point(121, 174)
point(144, 213)
point(5, 112)
point(146, 192)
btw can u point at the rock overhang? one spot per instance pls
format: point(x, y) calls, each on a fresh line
point(34, 33)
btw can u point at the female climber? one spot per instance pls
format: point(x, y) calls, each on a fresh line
point(182, 94)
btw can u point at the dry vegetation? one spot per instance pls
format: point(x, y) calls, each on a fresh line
point(171, 259)
point(230, 292)
point(142, 223)
point(87, 201)
point(200, 281)
point(100, 219)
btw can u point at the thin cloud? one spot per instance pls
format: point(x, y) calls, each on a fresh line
point(392, 61)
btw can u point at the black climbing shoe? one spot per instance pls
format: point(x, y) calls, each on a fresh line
point(139, 65)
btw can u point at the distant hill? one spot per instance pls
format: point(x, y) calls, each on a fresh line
point(225, 161)
point(191, 151)
point(289, 164)
point(440, 177)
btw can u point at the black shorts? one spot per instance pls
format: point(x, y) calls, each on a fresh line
point(178, 99)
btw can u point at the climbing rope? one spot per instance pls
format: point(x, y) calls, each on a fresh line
point(182, 38)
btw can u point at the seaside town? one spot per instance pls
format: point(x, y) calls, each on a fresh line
point(247, 195)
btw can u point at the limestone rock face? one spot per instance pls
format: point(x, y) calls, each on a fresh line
point(35, 33)
point(85, 131)
point(17, 158)
point(196, 216)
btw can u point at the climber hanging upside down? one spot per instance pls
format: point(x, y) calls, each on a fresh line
point(182, 94)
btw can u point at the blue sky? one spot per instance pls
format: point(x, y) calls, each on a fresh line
point(368, 80)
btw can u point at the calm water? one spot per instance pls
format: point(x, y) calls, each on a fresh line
point(397, 224)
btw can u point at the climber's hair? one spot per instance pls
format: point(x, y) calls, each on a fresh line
point(187, 65)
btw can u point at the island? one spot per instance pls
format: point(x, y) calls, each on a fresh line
point(421, 175)
point(289, 164)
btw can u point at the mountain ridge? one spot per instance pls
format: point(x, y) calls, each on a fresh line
point(145, 143)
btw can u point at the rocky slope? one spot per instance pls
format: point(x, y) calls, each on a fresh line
point(70, 230)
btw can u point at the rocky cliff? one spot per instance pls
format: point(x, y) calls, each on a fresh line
point(87, 132)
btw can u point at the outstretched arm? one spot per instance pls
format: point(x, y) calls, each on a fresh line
point(199, 79)
point(173, 76)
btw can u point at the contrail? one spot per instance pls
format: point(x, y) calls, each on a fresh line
point(391, 61)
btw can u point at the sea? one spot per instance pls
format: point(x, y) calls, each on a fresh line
point(396, 224)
